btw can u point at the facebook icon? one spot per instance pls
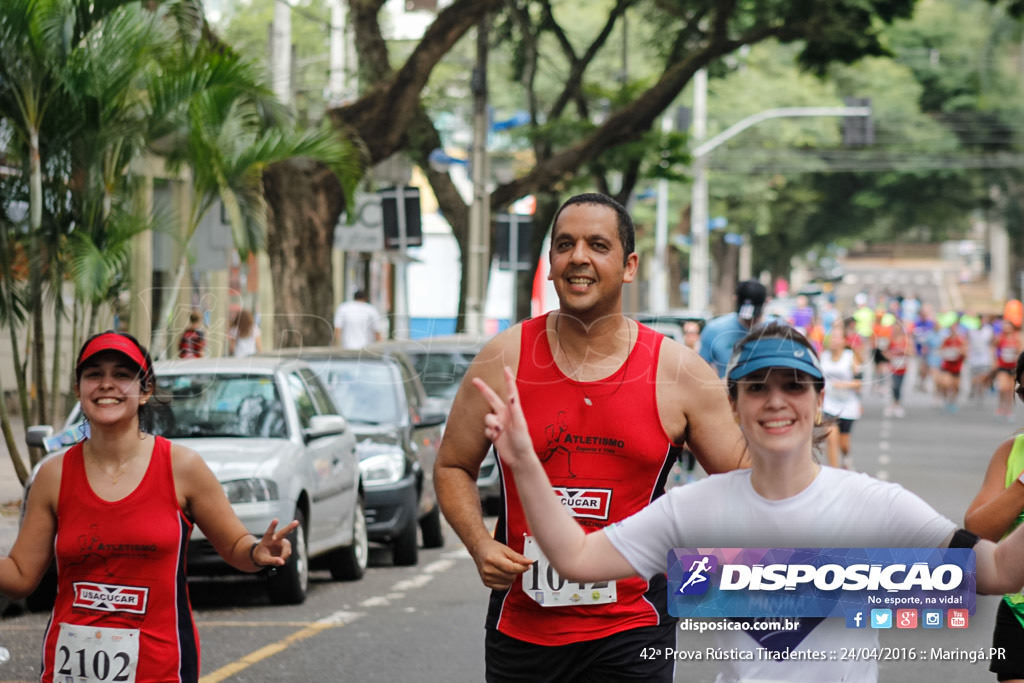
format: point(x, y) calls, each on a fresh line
point(856, 619)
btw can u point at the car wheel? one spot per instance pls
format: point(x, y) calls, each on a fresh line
point(287, 585)
point(433, 536)
point(406, 550)
point(349, 563)
point(43, 597)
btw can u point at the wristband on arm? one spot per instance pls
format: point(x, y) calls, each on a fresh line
point(963, 538)
point(252, 556)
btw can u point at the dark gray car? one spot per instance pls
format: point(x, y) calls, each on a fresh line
point(441, 363)
point(397, 435)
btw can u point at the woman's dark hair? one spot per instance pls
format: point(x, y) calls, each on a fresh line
point(245, 323)
point(773, 330)
point(627, 232)
point(147, 378)
point(1017, 376)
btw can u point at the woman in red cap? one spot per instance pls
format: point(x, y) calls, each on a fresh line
point(117, 510)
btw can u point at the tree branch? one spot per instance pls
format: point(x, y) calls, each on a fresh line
point(381, 116)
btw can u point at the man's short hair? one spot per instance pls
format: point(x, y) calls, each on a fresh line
point(750, 298)
point(627, 232)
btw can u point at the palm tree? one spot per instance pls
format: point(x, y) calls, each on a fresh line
point(34, 38)
point(229, 132)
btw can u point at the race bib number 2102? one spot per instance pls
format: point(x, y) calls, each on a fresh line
point(543, 584)
point(93, 654)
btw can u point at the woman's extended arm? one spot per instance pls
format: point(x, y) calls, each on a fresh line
point(995, 507)
point(32, 552)
point(576, 555)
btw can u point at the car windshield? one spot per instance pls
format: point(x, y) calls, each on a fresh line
point(220, 405)
point(441, 371)
point(363, 390)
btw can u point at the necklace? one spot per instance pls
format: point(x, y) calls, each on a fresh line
point(115, 476)
point(575, 369)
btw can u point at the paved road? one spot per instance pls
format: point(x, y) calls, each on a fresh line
point(424, 623)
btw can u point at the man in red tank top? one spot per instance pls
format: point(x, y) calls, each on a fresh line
point(609, 403)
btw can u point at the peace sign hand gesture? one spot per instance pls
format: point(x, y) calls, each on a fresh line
point(505, 424)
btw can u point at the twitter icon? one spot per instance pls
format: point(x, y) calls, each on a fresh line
point(881, 618)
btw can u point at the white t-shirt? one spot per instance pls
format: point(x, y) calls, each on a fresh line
point(844, 403)
point(359, 323)
point(246, 346)
point(979, 346)
point(839, 509)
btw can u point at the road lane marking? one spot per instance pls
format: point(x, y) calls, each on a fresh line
point(418, 581)
point(439, 566)
point(335, 620)
point(340, 618)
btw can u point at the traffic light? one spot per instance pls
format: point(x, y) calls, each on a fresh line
point(858, 131)
point(402, 226)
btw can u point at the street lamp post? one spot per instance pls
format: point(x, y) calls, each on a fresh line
point(479, 213)
point(699, 257)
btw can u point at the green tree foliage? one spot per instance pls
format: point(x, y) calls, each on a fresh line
point(86, 89)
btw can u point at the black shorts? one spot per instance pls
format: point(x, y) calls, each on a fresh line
point(1008, 635)
point(615, 658)
point(845, 425)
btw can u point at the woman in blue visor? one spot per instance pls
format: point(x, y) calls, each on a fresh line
point(785, 500)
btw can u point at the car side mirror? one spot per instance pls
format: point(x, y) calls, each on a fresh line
point(431, 419)
point(36, 436)
point(324, 425)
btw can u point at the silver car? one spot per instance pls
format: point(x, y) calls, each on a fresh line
point(273, 437)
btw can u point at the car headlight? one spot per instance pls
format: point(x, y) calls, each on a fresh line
point(382, 468)
point(250, 490)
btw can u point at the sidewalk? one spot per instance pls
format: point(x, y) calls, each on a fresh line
point(10, 489)
point(10, 500)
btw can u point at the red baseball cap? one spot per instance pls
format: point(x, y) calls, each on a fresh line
point(112, 341)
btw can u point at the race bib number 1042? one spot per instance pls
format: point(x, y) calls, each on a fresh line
point(543, 584)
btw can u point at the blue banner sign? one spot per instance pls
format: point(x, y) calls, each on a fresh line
point(817, 582)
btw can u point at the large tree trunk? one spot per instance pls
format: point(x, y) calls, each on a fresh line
point(304, 201)
point(723, 287)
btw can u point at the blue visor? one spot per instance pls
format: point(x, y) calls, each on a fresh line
point(773, 352)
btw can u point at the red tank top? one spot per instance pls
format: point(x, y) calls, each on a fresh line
point(121, 579)
point(1006, 352)
point(606, 452)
